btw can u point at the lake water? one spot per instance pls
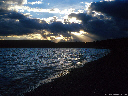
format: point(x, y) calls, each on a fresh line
point(24, 69)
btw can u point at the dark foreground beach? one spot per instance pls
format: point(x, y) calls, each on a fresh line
point(106, 76)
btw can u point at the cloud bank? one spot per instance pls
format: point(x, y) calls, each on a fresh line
point(103, 19)
point(113, 24)
point(118, 8)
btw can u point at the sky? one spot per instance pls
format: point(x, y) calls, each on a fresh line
point(63, 20)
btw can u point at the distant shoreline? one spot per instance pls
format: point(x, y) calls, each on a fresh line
point(109, 44)
point(39, 44)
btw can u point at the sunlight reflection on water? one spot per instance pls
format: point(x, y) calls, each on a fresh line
point(24, 69)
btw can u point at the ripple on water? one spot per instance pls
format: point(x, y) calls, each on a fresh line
point(24, 69)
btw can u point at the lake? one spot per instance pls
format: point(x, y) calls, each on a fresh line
point(24, 69)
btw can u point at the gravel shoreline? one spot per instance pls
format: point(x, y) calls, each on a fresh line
point(105, 76)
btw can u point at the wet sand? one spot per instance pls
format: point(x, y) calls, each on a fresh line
point(107, 75)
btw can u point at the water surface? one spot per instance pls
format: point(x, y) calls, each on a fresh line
point(24, 69)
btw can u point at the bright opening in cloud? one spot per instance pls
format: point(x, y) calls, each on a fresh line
point(109, 0)
point(62, 20)
point(81, 32)
point(23, 37)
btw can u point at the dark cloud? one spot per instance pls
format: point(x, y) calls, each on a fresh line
point(81, 16)
point(116, 26)
point(116, 8)
point(11, 23)
point(103, 26)
point(60, 27)
point(112, 25)
point(57, 27)
point(14, 23)
point(15, 15)
point(33, 23)
point(11, 14)
point(3, 11)
point(122, 24)
point(12, 27)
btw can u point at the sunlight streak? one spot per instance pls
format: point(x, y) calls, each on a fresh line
point(84, 36)
point(74, 20)
point(23, 37)
point(81, 32)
